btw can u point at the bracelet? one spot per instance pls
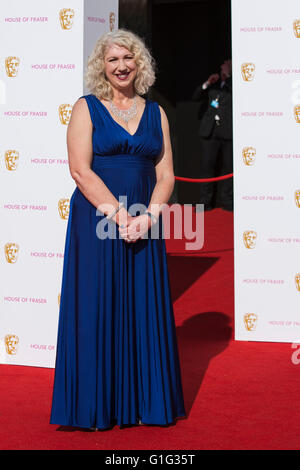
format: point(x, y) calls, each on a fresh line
point(152, 216)
point(115, 211)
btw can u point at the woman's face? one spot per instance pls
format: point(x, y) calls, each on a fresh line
point(120, 66)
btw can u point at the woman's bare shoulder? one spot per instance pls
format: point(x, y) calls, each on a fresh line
point(81, 103)
point(80, 119)
point(80, 109)
point(164, 118)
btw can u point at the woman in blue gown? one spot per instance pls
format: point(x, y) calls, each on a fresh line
point(117, 360)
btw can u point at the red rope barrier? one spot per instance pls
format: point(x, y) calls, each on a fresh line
point(204, 180)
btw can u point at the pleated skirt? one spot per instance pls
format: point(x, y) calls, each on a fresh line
point(117, 358)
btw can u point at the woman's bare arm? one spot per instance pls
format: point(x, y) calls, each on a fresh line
point(80, 153)
point(164, 171)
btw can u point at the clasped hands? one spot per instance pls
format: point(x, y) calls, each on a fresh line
point(133, 228)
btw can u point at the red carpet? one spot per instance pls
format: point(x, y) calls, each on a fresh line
point(238, 395)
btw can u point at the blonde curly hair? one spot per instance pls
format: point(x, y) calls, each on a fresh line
point(95, 78)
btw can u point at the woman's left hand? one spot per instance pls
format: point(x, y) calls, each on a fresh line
point(136, 229)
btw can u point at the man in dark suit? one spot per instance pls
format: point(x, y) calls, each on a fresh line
point(215, 114)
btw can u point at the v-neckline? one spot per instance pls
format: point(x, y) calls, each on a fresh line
point(139, 124)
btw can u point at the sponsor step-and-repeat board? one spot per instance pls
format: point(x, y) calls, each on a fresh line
point(44, 49)
point(266, 103)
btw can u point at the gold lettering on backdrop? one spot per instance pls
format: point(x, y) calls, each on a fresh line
point(64, 208)
point(297, 197)
point(11, 344)
point(249, 154)
point(11, 158)
point(112, 19)
point(248, 69)
point(64, 112)
point(12, 66)
point(297, 281)
point(11, 252)
point(66, 17)
point(297, 113)
point(249, 237)
point(296, 27)
point(250, 321)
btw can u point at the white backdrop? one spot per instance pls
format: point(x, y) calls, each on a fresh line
point(43, 51)
point(44, 48)
point(266, 93)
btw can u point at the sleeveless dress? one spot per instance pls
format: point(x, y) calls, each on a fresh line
point(117, 359)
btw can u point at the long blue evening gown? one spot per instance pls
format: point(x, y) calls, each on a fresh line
point(117, 359)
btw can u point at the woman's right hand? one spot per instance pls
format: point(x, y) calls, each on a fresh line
point(123, 219)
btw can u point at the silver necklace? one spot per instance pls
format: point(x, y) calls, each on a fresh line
point(124, 114)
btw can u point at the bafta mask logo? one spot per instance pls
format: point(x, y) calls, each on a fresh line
point(297, 198)
point(12, 66)
point(249, 154)
point(11, 344)
point(249, 237)
point(112, 20)
point(250, 321)
point(11, 158)
point(64, 208)
point(297, 281)
point(248, 69)
point(64, 112)
point(296, 27)
point(11, 252)
point(297, 113)
point(66, 16)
